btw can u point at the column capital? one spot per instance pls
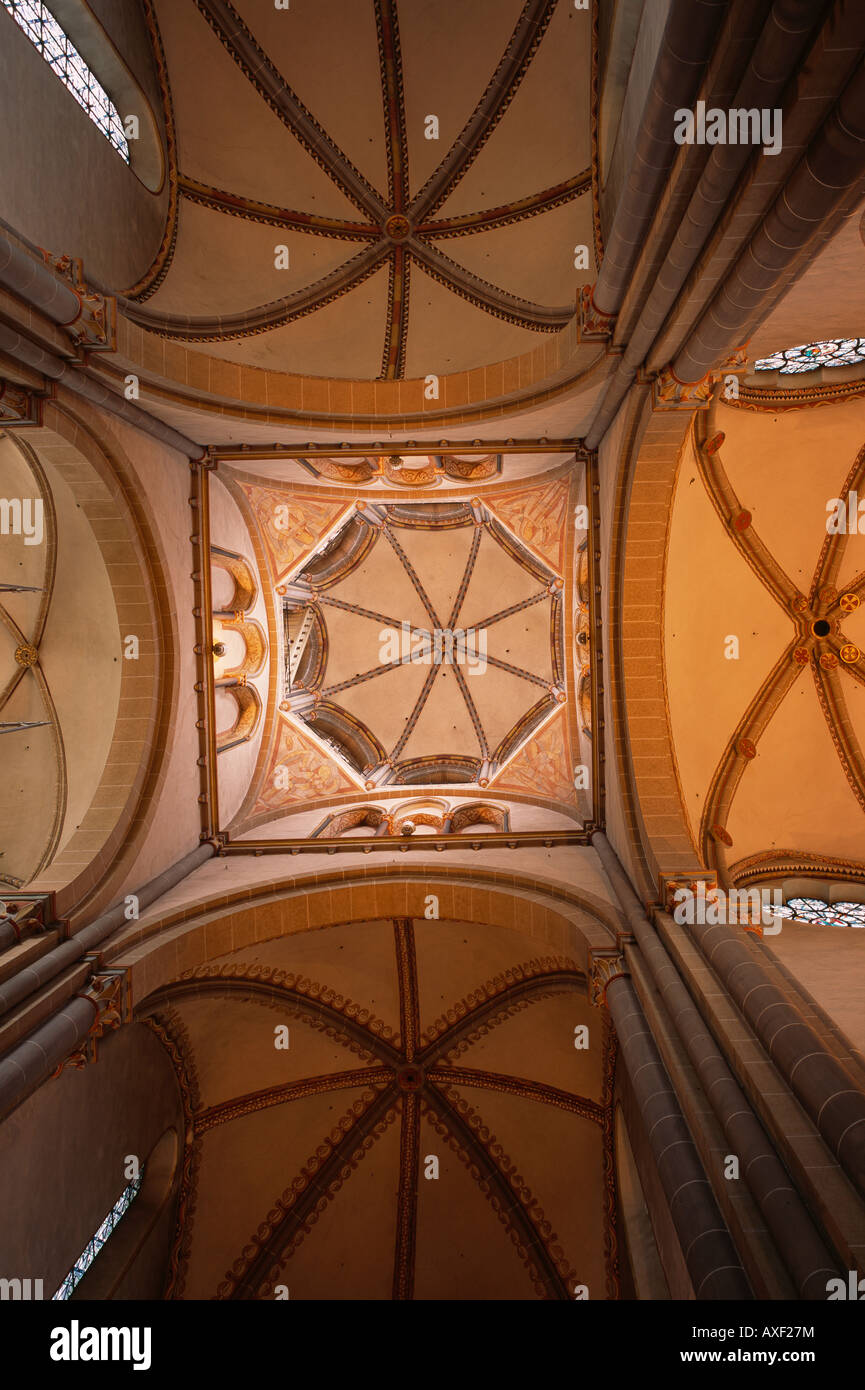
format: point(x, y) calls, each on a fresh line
point(604, 967)
point(671, 884)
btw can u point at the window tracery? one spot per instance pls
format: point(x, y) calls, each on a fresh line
point(820, 913)
point(807, 357)
point(98, 1239)
point(55, 46)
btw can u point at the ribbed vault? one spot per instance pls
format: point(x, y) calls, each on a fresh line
point(434, 1066)
point(773, 626)
point(348, 131)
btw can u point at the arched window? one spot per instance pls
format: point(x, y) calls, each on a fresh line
point(96, 1242)
point(835, 352)
point(820, 913)
point(54, 44)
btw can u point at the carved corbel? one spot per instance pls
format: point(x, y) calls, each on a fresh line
point(593, 326)
point(109, 992)
point(18, 406)
point(95, 325)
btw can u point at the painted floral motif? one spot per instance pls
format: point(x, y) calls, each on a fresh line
point(291, 524)
point(537, 517)
point(299, 772)
point(541, 767)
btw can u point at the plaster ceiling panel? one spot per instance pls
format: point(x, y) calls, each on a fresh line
point(464, 1251)
point(81, 652)
point(444, 726)
point(349, 1251)
point(538, 1041)
point(501, 699)
point(450, 50)
point(356, 960)
point(454, 958)
point(384, 704)
point(228, 137)
point(224, 267)
point(31, 780)
point(853, 625)
point(497, 582)
point(556, 1152)
point(711, 594)
point(448, 334)
point(354, 644)
point(534, 258)
point(853, 693)
point(232, 1039)
point(246, 1166)
point(852, 566)
point(318, 344)
point(381, 584)
point(829, 963)
point(439, 559)
point(544, 136)
point(523, 639)
point(795, 796)
point(23, 562)
point(784, 469)
point(327, 52)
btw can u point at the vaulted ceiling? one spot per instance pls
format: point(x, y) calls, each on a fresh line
point(448, 641)
point(308, 128)
point(420, 1133)
point(60, 674)
point(421, 692)
point(765, 630)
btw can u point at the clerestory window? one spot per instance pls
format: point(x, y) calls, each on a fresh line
point(98, 1239)
point(59, 52)
point(834, 352)
point(820, 913)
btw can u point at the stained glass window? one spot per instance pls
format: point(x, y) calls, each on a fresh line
point(45, 33)
point(822, 914)
point(836, 352)
point(96, 1242)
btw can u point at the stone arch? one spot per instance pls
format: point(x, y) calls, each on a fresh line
point(658, 841)
point(479, 813)
point(248, 703)
point(255, 642)
point(157, 951)
point(342, 554)
point(352, 819)
point(358, 745)
point(242, 576)
point(444, 770)
point(96, 857)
